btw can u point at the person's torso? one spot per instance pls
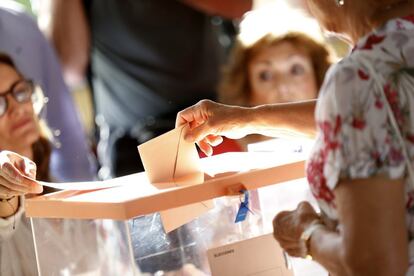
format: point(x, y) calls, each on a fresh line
point(389, 50)
point(151, 57)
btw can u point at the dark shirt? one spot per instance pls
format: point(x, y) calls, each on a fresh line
point(151, 58)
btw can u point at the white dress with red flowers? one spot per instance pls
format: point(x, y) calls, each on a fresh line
point(356, 139)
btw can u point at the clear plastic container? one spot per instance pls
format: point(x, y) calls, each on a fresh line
point(140, 246)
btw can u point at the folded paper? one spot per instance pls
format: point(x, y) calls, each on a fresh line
point(170, 161)
point(176, 217)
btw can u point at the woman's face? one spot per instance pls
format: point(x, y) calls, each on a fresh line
point(18, 125)
point(281, 73)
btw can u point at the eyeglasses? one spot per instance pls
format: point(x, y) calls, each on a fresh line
point(21, 91)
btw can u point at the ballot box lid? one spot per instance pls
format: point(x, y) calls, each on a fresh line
point(226, 174)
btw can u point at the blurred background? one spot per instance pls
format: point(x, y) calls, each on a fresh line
point(266, 16)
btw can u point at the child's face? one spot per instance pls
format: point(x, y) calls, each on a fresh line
point(281, 73)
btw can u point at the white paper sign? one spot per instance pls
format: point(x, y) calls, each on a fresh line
point(260, 256)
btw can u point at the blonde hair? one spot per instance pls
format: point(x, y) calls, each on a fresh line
point(369, 14)
point(234, 87)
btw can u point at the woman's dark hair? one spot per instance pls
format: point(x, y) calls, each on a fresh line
point(6, 59)
point(41, 148)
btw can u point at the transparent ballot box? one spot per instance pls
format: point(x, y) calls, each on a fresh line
point(121, 230)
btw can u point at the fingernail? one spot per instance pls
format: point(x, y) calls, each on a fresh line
point(189, 137)
point(32, 173)
point(37, 189)
point(27, 169)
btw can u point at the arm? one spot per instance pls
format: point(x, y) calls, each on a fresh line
point(210, 120)
point(68, 30)
point(11, 222)
point(373, 239)
point(227, 8)
point(290, 119)
point(8, 207)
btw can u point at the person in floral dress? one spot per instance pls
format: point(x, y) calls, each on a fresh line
point(357, 170)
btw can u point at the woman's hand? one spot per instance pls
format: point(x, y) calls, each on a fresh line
point(17, 175)
point(209, 121)
point(288, 226)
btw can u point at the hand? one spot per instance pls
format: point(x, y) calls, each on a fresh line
point(288, 226)
point(17, 175)
point(209, 121)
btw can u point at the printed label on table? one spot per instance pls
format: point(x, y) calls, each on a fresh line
point(260, 256)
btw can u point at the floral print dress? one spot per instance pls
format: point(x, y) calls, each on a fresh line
point(355, 137)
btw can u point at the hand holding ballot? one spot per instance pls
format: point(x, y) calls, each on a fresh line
point(209, 120)
point(17, 175)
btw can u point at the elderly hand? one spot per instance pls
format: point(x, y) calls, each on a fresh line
point(288, 226)
point(209, 121)
point(17, 175)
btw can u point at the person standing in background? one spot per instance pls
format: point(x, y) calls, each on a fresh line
point(274, 69)
point(148, 60)
point(22, 40)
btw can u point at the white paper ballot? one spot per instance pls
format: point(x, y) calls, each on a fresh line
point(90, 185)
point(260, 256)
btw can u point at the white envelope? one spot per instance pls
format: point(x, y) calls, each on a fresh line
point(260, 256)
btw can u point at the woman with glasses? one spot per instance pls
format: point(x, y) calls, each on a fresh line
point(22, 139)
point(74, 244)
point(360, 170)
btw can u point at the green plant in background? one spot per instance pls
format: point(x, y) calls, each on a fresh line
point(27, 4)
